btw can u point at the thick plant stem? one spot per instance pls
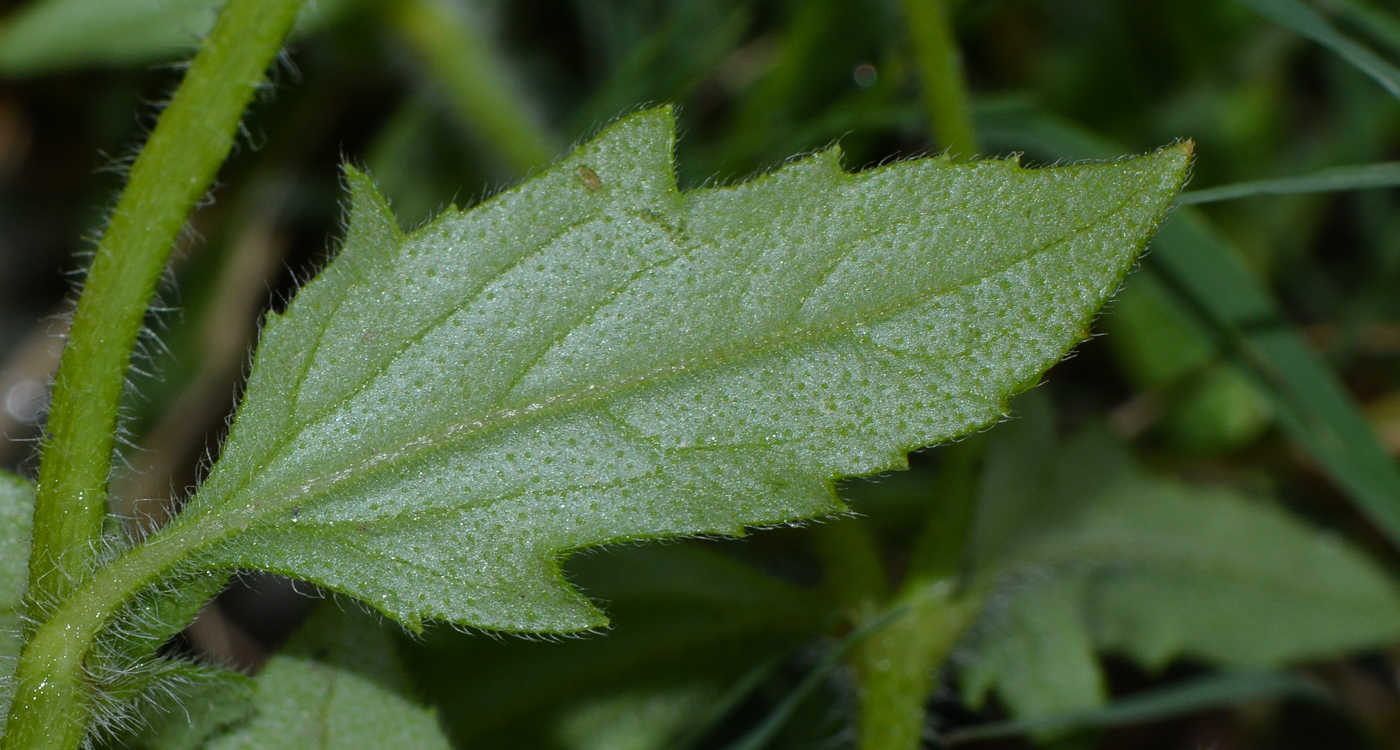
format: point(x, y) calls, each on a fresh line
point(174, 170)
point(940, 68)
point(461, 58)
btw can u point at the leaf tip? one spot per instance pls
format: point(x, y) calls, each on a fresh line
point(1175, 161)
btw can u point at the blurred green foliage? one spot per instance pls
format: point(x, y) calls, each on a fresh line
point(1246, 368)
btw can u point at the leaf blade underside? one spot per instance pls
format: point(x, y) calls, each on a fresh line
point(595, 357)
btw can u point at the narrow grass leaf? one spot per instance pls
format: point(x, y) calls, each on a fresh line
point(1299, 18)
point(1213, 285)
point(1205, 693)
point(1381, 25)
point(1311, 402)
point(1357, 177)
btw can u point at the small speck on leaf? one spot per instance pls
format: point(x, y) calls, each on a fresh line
point(589, 178)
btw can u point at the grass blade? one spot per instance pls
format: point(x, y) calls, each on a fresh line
point(1175, 700)
point(761, 735)
point(1315, 409)
point(1335, 179)
point(482, 90)
point(1301, 19)
point(1313, 404)
point(1382, 27)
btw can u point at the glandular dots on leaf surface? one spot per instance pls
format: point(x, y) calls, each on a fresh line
point(595, 356)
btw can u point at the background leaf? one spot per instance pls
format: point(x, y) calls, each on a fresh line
point(1081, 552)
point(711, 360)
point(684, 619)
point(338, 684)
point(50, 35)
point(205, 703)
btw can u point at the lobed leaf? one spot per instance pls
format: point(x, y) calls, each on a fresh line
point(595, 357)
point(1080, 553)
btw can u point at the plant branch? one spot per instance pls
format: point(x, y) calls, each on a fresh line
point(898, 668)
point(940, 67)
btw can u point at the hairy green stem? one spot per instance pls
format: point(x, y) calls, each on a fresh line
point(940, 68)
point(898, 667)
point(462, 59)
point(174, 170)
point(52, 695)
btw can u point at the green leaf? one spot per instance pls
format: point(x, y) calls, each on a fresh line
point(1080, 552)
point(51, 35)
point(596, 357)
point(338, 684)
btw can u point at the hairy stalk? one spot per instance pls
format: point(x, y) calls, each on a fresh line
point(175, 168)
point(940, 68)
point(53, 698)
point(898, 667)
point(461, 58)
